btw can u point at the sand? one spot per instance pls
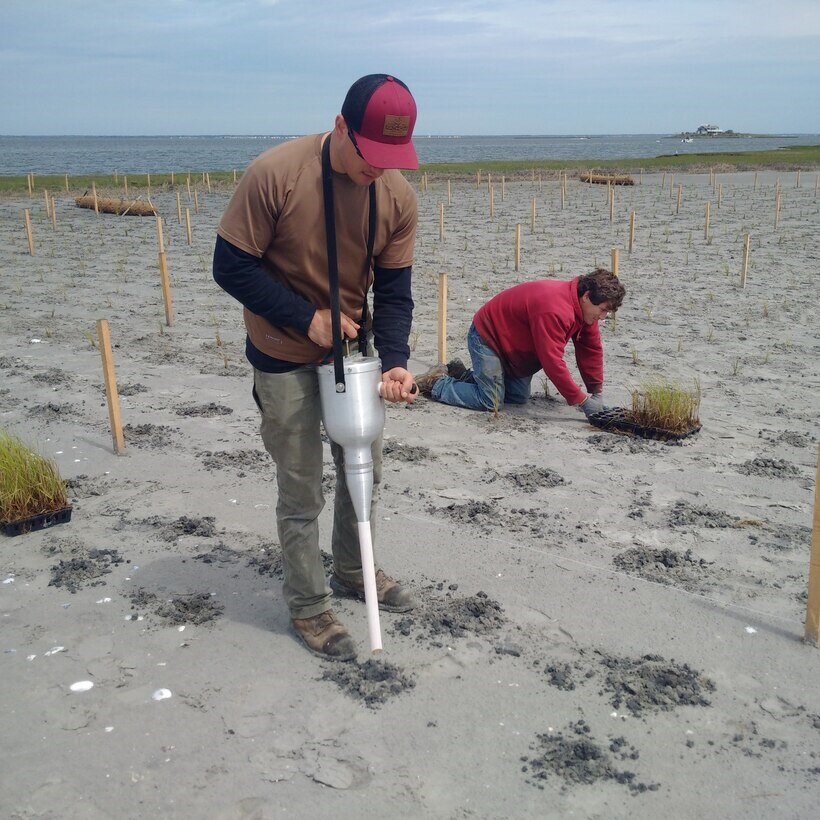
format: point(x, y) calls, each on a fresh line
point(607, 627)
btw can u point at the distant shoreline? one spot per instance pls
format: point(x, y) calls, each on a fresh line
point(792, 158)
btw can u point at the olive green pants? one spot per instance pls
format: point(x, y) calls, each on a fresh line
point(292, 434)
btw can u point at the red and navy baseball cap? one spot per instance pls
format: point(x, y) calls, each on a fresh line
point(381, 112)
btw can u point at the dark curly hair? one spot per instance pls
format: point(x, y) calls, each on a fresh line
point(602, 286)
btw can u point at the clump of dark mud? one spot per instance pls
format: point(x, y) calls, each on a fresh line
point(665, 566)
point(489, 516)
point(53, 410)
point(372, 682)
point(783, 537)
point(195, 608)
point(84, 570)
point(561, 676)
point(652, 683)
point(451, 617)
point(577, 759)
point(790, 437)
point(768, 468)
point(208, 410)
point(407, 452)
point(149, 435)
point(132, 389)
point(530, 478)
point(684, 514)
point(171, 530)
point(83, 486)
point(53, 376)
point(616, 443)
point(237, 460)
point(220, 555)
point(270, 563)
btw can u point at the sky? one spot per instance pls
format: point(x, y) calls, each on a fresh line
point(474, 66)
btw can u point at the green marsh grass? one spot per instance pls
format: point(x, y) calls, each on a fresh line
point(666, 405)
point(806, 157)
point(30, 484)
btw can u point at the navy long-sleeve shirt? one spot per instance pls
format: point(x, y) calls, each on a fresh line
point(242, 276)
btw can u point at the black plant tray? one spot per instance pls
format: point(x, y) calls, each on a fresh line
point(36, 522)
point(617, 418)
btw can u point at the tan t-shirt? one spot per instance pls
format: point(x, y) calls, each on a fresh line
point(277, 214)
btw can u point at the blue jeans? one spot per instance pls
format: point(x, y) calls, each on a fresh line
point(485, 387)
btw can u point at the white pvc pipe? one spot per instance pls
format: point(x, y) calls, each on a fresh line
point(371, 599)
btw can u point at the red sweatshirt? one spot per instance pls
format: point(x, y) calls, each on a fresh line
point(528, 327)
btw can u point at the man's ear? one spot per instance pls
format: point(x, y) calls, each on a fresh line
point(340, 126)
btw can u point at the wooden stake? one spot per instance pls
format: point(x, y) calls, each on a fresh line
point(188, 183)
point(164, 279)
point(66, 183)
point(188, 225)
point(442, 317)
point(30, 181)
point(755, 185)
point(125, 183)
point(449, 193)
point(111, 395)
point(54, 213)
point(611, 203)
point(172, 179)
point(148, 177)
point(720, 194)
point(797, 183)
point(663, 182)
point(492, 202)
point(504, 188)
point(641, 179)
point(29, 234)
point(489, 182)
point(116, 178)
point(777, 210)
point(812, 633)
point(48, 203)
point(234, 176)
point(208, 180)
point(179, 210)
point(614, 257)
point(631, 230)
point(96, 201)
point(563, 197)
point(706, 224)
point(441, 221)
point(539, 183)
point(196, 201)
point(517, 246)
point(680, 197)
point(671, 184)
point(745, 267)
point(532, 217)
point(478, 179)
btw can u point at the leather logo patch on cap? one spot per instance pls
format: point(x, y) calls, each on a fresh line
point(395, 126)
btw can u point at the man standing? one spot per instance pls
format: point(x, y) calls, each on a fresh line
point(525, 329)
point(272, 255)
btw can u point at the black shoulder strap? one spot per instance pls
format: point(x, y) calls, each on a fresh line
point(371, 239)
point(332, 268)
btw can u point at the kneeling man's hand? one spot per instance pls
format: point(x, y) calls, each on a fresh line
point(593, 404)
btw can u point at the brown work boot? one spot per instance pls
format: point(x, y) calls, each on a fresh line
point(325, 636)
point(456, 369)
point(427, 379)
point(392, 596)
